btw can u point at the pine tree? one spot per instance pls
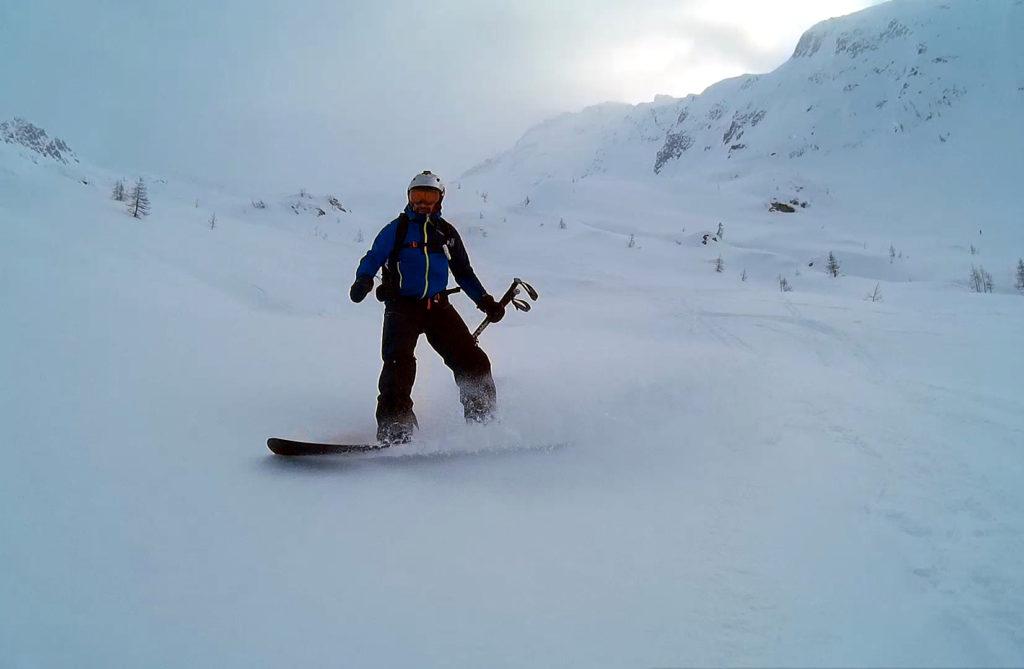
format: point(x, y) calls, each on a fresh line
point(721, 231)
point(213, 220)
point(1020, 274)
point(892, 253)
point(118, 192)
point(784, 284)
point(832, 266)
point(138, 200)
point(719, 265)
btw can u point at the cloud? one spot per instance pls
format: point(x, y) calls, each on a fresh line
point(329, 93)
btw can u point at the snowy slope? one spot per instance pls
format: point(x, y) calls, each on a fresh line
point(690, 469)
point(939, 71)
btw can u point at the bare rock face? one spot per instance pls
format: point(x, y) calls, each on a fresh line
point(32, 137)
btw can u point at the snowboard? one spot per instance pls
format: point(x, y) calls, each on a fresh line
point(296, 448)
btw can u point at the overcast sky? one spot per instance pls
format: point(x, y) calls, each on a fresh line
point(337, 95)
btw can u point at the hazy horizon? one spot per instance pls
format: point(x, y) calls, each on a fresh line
point(355, 98)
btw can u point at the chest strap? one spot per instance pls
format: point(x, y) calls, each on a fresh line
point(433, 246)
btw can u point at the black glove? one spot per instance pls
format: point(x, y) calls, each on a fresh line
point(495, 310)
point(360, 289)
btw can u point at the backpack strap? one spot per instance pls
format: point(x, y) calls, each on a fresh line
point(400, 232)
point(389, 276)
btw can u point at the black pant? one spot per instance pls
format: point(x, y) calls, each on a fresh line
point(404, 321)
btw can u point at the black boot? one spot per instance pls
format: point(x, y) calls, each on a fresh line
point(394, 434)
point(478, 399)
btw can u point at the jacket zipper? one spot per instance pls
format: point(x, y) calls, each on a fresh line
point(398, 265)
point(426, 257)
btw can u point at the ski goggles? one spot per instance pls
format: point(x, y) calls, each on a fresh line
point(424, 197)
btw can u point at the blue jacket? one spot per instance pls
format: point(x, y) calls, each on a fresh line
point(423, 263)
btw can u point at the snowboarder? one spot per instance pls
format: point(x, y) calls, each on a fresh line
point(416, 250)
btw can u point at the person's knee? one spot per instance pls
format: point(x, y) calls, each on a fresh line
point(398, 361)
point(477, 363)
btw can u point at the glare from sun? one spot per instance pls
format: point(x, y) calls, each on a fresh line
point(667, 62)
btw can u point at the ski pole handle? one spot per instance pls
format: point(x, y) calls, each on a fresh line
point(510, 297)
point(487, 319)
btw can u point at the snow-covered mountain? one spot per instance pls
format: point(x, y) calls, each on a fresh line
point(937, 70)
point(24, 135)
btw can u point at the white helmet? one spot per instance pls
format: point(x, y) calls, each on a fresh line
point(426, 179)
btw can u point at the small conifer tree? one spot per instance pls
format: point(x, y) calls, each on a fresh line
point(138, 200)
point(832, 266)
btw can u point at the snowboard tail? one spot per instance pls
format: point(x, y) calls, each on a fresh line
point(289, 447)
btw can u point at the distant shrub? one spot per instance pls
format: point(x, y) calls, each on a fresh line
point(980, 281)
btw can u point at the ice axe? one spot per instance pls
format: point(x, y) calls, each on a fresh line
point(518, 285)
